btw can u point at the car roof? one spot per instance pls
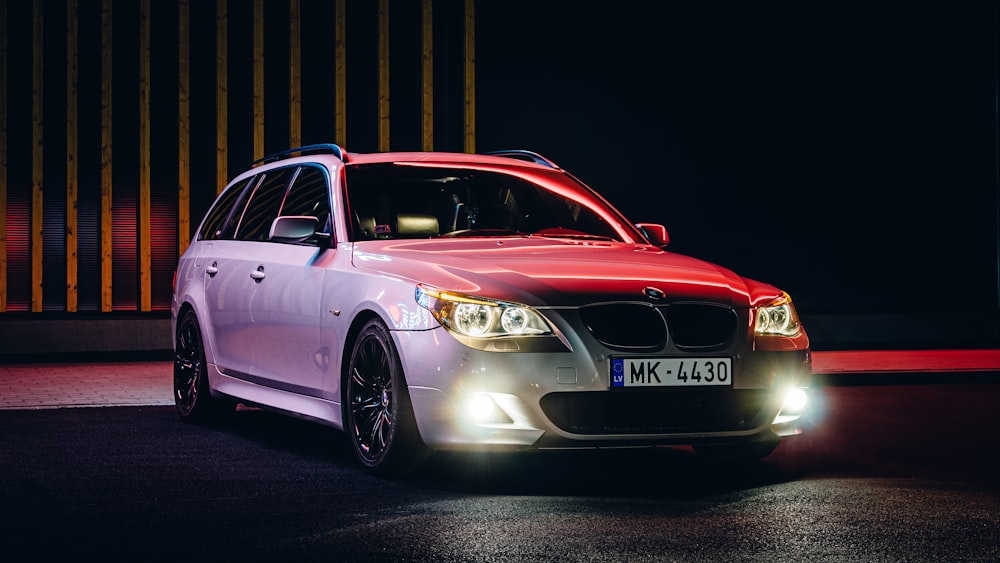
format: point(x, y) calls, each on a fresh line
point(319, 152)
point(442, 157)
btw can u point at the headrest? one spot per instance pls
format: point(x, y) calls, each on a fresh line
point(366, 226)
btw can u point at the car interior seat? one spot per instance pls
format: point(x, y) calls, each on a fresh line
point(411, 225)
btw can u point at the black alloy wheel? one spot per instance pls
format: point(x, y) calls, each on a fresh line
point(379, 418)
point(192, 398)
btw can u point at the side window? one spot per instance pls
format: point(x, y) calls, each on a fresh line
point(309, 196)
point(264, 205)
point(225, 212)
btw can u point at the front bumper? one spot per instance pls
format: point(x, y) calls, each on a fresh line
point(464, 398)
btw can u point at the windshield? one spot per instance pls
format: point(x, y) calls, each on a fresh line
point(391, 201)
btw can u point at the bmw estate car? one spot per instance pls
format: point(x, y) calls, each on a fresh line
point(445, 301)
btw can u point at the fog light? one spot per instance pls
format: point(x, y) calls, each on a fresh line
point(479, 407)
point(796, 400)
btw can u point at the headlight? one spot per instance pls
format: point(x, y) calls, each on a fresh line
point(777, 318)
point(478, 317)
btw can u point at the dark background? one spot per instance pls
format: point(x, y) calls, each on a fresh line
point(845, 152)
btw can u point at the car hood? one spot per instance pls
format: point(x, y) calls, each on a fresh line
point(553, 272)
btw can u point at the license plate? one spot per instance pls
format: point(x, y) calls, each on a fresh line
point(671, 372)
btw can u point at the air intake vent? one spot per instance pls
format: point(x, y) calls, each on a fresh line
point(626, 326)
point(697, 325)
point(658, 412)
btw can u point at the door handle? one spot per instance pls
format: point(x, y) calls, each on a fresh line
point(258, 274)
point(213, 269)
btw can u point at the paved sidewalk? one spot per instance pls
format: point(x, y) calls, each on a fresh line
point(93, 384)
point(46, 386)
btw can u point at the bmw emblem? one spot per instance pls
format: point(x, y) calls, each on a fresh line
point(654, 293)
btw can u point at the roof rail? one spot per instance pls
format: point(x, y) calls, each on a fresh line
point(526, 156)
point(324, 148)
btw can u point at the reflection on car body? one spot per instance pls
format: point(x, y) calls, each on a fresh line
point(428, 301)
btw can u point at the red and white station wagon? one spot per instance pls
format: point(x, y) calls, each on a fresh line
point(427, 301)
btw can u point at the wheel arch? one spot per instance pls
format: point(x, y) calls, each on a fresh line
point(359, 321)
point(408, 450)
point(207, 339)
point(184, 308)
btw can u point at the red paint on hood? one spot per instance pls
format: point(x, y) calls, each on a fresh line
point(557, 272)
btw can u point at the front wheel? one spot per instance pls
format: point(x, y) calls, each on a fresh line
point(378, 414)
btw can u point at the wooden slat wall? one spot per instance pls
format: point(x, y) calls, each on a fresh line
point(340, 74)
point(72, 181)
point(221, 95)
point(183, 126)
point(258, 79)
point(3, 155)
point(37, 154)
point(383, 75)
point(470, 76)
point(145, 260)
point(184, 130)
point(294, 74)
point(106, 183)
point(427, 77)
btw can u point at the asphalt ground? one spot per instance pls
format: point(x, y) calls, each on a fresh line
point(899, 464)
point(887, 473)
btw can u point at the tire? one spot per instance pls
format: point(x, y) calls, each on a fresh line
point(754, 451)
point(378, 416)
point(192, 397)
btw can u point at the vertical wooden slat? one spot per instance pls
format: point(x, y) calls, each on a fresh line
point(383, 75)
point(258, 79)
point(340, 74)
point(145, 259)
point(37, 155)
point(294, 74)
point(183, 126)
point(106, 184)
point(72, 181)
point(3, 156)
point(427, 80)
point(221, 95)
point(470, 76)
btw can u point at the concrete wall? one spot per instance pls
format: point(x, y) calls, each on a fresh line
point(39, 337)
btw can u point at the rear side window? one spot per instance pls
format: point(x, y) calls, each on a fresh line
point(264, 205)
point(220, 223)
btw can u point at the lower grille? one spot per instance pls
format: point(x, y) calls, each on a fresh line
point(657, 412)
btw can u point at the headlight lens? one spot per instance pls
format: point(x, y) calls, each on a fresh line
point(777, 318)
point(478, 317)
point(473, 319)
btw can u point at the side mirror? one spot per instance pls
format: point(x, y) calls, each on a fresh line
point(655, 234)
point(293, 229)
